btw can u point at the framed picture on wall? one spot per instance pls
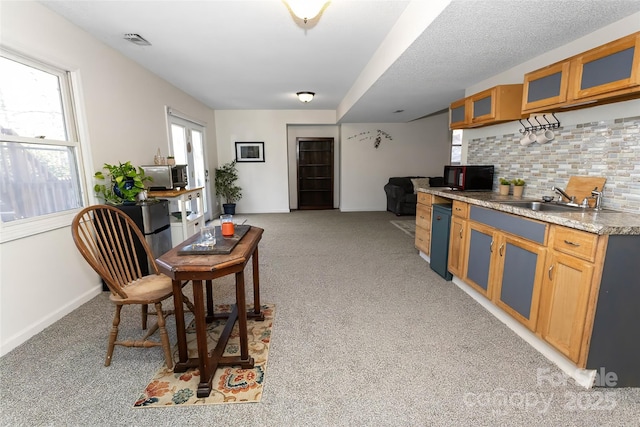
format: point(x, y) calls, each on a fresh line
point(249, 151)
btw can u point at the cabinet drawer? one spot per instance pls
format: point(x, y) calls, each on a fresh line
point(423, 216)
point(574, 242)
point(424, 198)
point(460, 209)
point(194, 226)
point(423, 239)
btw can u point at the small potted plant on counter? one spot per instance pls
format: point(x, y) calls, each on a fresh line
point(124, 183)
point(225, 184)
point(518, 187)
point(505, 185)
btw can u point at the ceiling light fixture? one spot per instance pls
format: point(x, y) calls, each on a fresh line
point(306, 9)
point(305, 96)
point(136, 39)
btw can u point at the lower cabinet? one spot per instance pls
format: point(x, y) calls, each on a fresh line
point(478, 257)
point(505, 268)
point(456, 246)
point(564, 302)
point(576, 290)
point(518, 275)
point(423, 222)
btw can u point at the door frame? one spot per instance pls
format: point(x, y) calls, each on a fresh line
point(332, 142)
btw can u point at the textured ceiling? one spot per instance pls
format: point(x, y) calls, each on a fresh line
point(238, 54)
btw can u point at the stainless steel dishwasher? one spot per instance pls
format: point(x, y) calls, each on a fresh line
point(440, 225)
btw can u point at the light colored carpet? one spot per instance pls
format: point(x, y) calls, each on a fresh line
point(408, 226)
point(366, 334)
point(230, 384)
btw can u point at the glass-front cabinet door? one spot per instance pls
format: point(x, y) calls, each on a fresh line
point(546, 86)
point(612, 67)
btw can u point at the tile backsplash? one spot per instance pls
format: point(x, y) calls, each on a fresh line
point(609, 148)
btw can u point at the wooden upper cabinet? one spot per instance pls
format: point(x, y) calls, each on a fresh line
point(611, 69)
point(459, 116)
point(608, 73)
point(546, 86)
point(496, 105)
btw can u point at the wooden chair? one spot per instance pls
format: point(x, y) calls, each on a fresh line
point(106, 237)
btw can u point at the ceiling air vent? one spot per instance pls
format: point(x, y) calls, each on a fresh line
point(136, 39)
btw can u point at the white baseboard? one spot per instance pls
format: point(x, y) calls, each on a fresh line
point(35, 328)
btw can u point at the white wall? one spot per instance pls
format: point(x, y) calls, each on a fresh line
point(265, 186)
point(122, 117)
point(421, 148)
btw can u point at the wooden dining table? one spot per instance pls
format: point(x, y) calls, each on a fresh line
point(204, 268)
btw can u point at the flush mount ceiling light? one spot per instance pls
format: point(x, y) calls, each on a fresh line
point(305, 96)
point(136, 39)
point(306, 9)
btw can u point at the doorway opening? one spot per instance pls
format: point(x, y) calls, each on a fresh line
point(315, 173)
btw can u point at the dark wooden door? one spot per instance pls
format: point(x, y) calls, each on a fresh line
point(315, 173)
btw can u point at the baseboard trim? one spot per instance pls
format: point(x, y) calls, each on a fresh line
point(35, 328)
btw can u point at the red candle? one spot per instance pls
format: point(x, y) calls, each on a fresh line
point(227, 229)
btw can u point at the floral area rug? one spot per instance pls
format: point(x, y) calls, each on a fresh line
point(408, 226)
point(230, 384)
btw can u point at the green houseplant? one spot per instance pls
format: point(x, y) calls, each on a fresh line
point(120, 184)
point(505, 185)
point(518, 187)
point(225, 185)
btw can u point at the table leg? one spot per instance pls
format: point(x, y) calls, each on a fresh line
point(245, 361)
point(204, 388)
point(257, 313)
point(210, 311)
point(180, 326)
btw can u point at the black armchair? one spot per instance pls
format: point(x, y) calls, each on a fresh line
point(401, 197)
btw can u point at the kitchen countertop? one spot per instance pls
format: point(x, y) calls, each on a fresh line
point(592, 221)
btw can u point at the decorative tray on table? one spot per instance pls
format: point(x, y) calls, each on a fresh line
point(224, 245)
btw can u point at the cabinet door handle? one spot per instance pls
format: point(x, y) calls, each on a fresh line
point(438, 218)
point(461, 232)
point(189, 197)
point(571, 243)
point(501, 248)
point(491, 247)
point(549, 272)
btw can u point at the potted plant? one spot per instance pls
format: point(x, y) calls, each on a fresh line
point(518, 187)
point(505, 184)
point(123, 183)
point(225, 185)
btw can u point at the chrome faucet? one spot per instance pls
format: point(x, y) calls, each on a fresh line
point(571, 199)
point(598, 196)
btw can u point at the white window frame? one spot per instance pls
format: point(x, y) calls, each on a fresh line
point(26, 227)
point(451, 162)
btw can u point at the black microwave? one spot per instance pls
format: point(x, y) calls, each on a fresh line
point(469, 178)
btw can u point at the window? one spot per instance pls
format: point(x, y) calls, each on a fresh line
point(39, 147)
point(456, 146)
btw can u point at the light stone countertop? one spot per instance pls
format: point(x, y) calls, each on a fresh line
point(592, 221)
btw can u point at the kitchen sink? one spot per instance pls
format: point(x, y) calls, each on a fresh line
point(549, 207)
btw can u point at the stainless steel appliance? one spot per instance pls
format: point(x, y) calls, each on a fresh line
point(469, 178)
point(179, 176)
point(165, 177)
